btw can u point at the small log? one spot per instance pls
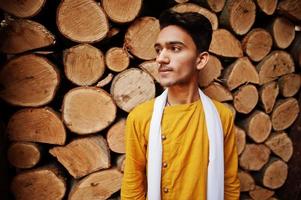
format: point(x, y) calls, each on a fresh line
point(36, 125)
point(210, 72)
point(261, 193)
point(83, 64)
point(240, 139)
point(245, 98)
point(105, 81)
point(218, 92)
point(191, 7)
point(238, 15)
point(151, 67)
point(24, 154)
point(22, 35)
point(100, 185)
point(28, 80)
point(117, 59)
point(84, 155)
point(285, 113)
point(283, 32)
point(122, 11)
point(240, 72)
point(290, 8)
point(268, 94)
point(116, 137)
point(214, 5)
point(254, 157)
point(267, 6)
point(224, 44)
point(121, 162)
point(281, 145)
point(88, 110)
point(289, 84)
point(141, 37)
point(295, 49)
point(93, 24)
point(39, 184)
point(274, 174)
point(281, 62)
point(258, 126)
point(257, 44)
point(132, 87)
point(247, 182)
point(28, 8)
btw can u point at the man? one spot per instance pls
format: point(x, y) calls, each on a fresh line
point(181, 146)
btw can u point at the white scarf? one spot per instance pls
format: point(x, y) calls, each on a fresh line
point(215, 180)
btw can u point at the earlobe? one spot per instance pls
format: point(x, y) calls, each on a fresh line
point(202, 60)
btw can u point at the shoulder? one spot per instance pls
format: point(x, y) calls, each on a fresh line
point(142, 112)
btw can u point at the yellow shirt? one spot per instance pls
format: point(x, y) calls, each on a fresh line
point(185, 156)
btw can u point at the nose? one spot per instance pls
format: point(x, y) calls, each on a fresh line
point(162, 57)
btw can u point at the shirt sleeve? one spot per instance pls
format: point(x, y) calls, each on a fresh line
point(232, 184)
point(134, 178)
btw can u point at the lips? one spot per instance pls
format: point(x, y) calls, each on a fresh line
point(164, 69)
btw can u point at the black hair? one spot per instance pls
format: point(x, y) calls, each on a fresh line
point(195, 24)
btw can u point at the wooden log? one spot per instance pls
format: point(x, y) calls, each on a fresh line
point(36, 125)
point(99, 185)
point(254, 157)
point(261, 193)
point(214, 5)
point(141, 37)
point(92, 26)
point(268, 94)
point(181, 1)
point(84, 155)
point(295, 48)
point(116, 137)
point(191, 7)
point(245, 98)
point(290, 8)
point(121, 162)
point(122, 11)
point(231, 107)
point(267, 6)
point(132, 87)
point(117, 59)
point(247, 182)
point(88, 110)
point(210, 72)
point(238, 15)
point(105, 81)
point(22, 35)
point(289, 84)
point(257, 44)
point(151, 67)
point(283, 32)
point(28, 8)
point(240, 72)
point(282, 63)
point(218, 92)
point(224, 44)
point(258, 126)
point(83, 64)
point(39, 184)
point(284, 113)
point(24, 154)
point(281, 145)
point(28, 80)
point(240, 139)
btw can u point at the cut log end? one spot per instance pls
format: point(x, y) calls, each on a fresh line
point(210, 72)
point(116, 137)
point(245, 98)
point(218, 92)
point(117, 59)
point(28, 8)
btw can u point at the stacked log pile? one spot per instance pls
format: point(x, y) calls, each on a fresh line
point(76, 68)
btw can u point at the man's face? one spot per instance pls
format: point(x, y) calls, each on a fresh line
point(177, 56)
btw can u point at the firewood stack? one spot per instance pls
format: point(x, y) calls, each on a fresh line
point(75, 68)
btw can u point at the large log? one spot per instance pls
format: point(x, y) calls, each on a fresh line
point(84, 155)
point(83, 64)
point(218, 92)
point(36, 125)
point(88, 110)
point(245, 98)
point(141, 37)
point(116, 137)
point(92, 26)
point(22, 35)
point(268, 94)
point(26, 8)
point(99, 185)
point(261, 193)
point(117, 59)
point(238, 15)
point(283, 32)
point(132, 87)
point(28, 80)
point(210, 72)
point(247, 182)
point(289, 84)
point(122, 11)
point(267, 6)
point(39, 184)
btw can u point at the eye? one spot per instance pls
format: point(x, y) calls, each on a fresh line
point(158, 50)
point(176, 48)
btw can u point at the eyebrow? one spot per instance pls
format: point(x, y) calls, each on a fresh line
point(170, 43)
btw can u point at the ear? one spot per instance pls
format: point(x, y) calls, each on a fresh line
point(202, 60)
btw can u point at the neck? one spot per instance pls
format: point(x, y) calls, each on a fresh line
point(182, 94)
